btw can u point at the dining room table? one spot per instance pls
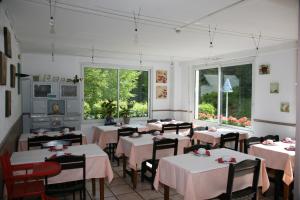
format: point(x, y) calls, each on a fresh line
point(198, 177)
point(139, 149)
point(97, 164)
point(279, 156)
point(105, 135)
point(23, 145)
point(158, 125)
point(213, 137)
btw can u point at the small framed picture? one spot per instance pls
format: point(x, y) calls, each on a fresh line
point(161, 92)
point(285, 107)
point(161, 76)
point(12, 76)
point(264, 69)
point(274, 87)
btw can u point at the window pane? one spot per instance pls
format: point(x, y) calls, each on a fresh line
point(236, 95)
point(134, 92)
point(208, 94)
point(100, 92)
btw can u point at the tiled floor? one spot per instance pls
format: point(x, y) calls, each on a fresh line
point(121, 189)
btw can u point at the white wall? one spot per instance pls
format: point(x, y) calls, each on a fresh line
point(7, 123)
point(69, 66)
point(266, 106)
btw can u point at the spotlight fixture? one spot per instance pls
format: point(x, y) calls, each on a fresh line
point(177, 30)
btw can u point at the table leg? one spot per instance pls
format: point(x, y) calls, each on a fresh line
point(241, 145)
point(286, 190)
point(166, 192)
point(124, 165)
point(101, 184)
point(134, 178)
point(93, 187)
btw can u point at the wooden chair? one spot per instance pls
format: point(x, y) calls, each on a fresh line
point(251, 141)
point(240, 169)
point(230, 137)
point(148, 132)
point(152, 120)
point(169, 127)
point(275, 138)
point(68, 162)
point(20, 186)
point(201, 128)
point(37, 141)
point(186, 125)
point(166, 120)
point(196, 147)
point(151, 164)
point(73, 138)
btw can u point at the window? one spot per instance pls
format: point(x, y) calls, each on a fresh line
point(107, 92)
point(223, 95)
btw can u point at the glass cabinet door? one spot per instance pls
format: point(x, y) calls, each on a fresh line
point(69, 91)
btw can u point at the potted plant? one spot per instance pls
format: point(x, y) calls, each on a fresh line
point(125, 112)
point(108, 108)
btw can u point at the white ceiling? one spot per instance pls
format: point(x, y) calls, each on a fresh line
point(107, 25)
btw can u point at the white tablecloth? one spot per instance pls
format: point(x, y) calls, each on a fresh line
point(140, 149)
point(22, 143)
point(158, 125)
point(104, 135)
point(202, 177)
point(277, 158)
point(97, 162)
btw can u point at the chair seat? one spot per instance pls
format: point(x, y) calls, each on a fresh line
point(28, 189)
point(64, 188)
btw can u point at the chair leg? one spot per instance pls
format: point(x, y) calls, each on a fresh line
point(143, 172)
point(73, 195)
point(84, 194)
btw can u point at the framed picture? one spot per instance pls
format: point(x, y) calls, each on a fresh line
point(19, 78)
point(3, 68)
point(7, 42)
point(285, 107)
point(7, 103)
point(264, 69)
point(161, 76)
point(12, 76)
point(161, 92)
point(274, 87)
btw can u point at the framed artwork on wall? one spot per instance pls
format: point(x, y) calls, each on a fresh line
point(161, 76)
point(7, 42)
point(161, 92)
point(264, 69)
point(12, 76)
point(3, 67)
point(285, 107)
point(274, 87)
point(7, 103)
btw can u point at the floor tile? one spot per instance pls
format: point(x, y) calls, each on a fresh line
point(130, 196)
point(121, 189)
point(150, 194)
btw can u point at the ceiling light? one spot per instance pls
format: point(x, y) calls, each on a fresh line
point(177, 30)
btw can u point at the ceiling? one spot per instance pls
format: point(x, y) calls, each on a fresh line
point(107, 26)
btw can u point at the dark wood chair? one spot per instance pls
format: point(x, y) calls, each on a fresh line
point(275, 138)
point(152, 120)
point(240, 169)
point(37, 141)
point(169, 127)
point(251, 141)
point(68, 162)
point(151, 164)
point(166, 120)
point(201, 128)
point(73, 138)
point(230, 138)
point(196, 147)
point(148, 132)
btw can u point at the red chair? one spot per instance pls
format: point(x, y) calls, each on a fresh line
point(25, 184)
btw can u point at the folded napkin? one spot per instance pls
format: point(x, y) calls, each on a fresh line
point(230, 160)
point(206, 152)
point(291, 148)
point(266, 142)
point(288, 140)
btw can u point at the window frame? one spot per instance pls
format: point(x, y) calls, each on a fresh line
point(116, 67)
point(219, 66)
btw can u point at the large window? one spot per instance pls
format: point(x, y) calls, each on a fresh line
point(223, 95)
point(110, 91)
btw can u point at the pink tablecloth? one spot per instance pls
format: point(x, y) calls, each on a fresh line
point(203, 177)
point(140, 149)
point(158, 125)
point(97, 162)
point(104, 135)
point(214, 137)
point(22, 144)
point(277, 158)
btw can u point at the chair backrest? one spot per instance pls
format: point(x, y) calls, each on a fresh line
point(230, 137)
point(201, 128)
point(169, 127)
point(165, 143)
point(186, 125)
point(148, 132)
point(196, 147)
point(7, 171)
point(69, 162)
point(152, 120)
point(251, 141)
point(126, 131)
point(166, 120)
point(240, 169)
point(73, 138)
point(37, 141)
point(275, 138)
